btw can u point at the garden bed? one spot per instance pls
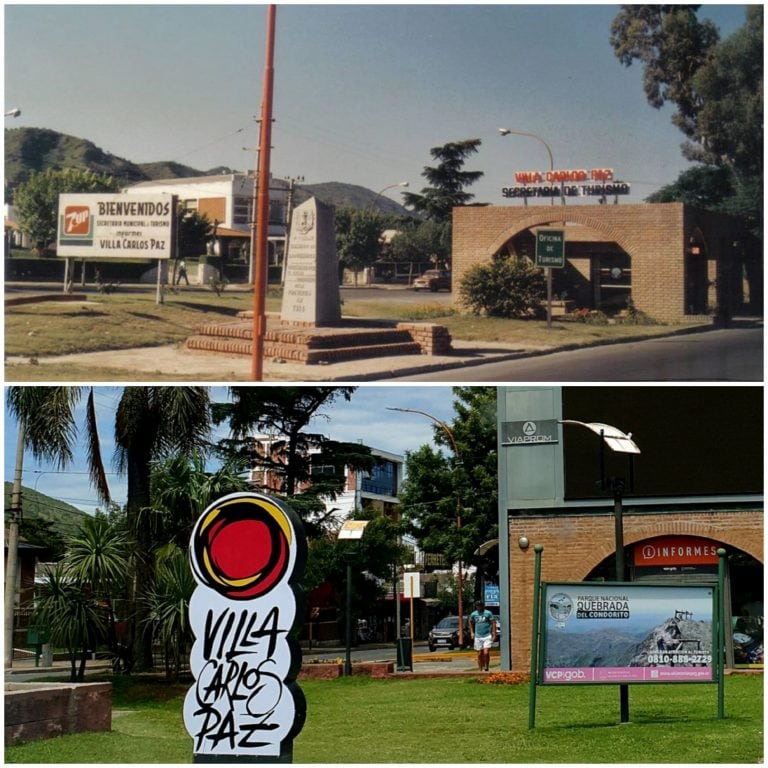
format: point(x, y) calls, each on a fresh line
point(328, 670)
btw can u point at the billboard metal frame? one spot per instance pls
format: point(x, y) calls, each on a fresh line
point(539, 632)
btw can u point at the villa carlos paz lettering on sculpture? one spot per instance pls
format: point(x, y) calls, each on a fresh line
point(245, 551)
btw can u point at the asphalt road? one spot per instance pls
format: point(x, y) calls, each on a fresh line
point(731, 354)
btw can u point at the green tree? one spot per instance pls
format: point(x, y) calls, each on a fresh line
point(37, 200)
point(505, 287)
point(97, 560)
point(46, 417)
point(703, 186)
point(77, 593)
point(305, 467)
point(449, 501)
point(423, 241)
point(358, 238)
point(167, 615)
point(447, 181)
point(73, 619)
point(182, 489)
point(194, 228)
point(716, 87)
point(152, 422)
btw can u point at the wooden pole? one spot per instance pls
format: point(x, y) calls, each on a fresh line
point(262, 215)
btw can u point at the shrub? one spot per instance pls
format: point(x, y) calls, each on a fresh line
point(506, 287)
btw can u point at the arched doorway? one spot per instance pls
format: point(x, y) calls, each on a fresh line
point(597, 272)
point(693, 559)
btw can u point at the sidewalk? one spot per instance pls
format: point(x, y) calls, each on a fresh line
point(201, 366)
point(424, 664)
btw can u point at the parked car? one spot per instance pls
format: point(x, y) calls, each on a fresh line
point(446, 634)
point(433, 280)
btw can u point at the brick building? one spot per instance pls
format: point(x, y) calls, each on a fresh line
point(698, 486)
point(676, 262)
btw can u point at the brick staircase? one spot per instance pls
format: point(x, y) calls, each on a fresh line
point(351, 340)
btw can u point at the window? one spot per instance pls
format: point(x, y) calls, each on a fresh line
point(382, 479)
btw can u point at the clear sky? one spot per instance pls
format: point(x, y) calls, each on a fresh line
point(361, 92)
point(364, 418)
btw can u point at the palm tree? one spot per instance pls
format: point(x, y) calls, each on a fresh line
point(182, 489)
point(47, 428)
point(152, 422)
point(168, 606)
point(97, 558)
point(73, 618)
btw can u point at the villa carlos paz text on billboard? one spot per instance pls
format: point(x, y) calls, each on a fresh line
point(115, 226)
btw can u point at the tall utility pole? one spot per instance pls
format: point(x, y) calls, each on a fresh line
point(12, 563)
point(262, 215)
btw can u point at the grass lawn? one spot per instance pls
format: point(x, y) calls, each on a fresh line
point(359, 720)
point(129, 320)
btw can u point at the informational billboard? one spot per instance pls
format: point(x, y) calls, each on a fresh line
point(627, 633)
point(112, 226)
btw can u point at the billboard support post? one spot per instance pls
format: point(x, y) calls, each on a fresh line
point(159, 295)
point(720, 658)
point(537, 549)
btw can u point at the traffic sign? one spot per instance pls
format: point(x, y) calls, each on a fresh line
point(550, 248)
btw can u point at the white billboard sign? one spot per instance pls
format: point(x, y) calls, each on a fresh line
point(115, 226)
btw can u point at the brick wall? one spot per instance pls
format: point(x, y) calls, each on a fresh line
point(42, 711)
point(654, 235)
point(575, 544)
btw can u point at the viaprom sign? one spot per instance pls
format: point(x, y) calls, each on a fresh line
point(115, 226)
point(247, 551)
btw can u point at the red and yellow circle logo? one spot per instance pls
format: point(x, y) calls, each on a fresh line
point(241, 546)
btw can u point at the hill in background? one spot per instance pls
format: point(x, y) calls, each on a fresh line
point(65, 518)
point(40, 149)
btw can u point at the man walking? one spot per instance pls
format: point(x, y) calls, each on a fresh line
point(482, 629)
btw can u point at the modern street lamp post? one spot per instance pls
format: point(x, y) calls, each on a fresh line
point(618, 442)
point(351, 530)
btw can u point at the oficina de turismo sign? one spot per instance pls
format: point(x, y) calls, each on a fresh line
point(580, 182)
point(247, 550)
point(628, 633)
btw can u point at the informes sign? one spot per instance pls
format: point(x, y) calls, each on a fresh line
point(550, 248)
point(247, 551)
point(114, 226)
point(675, 550)
point(627, 633)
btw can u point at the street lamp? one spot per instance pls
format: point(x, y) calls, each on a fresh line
point(15, 112)
point(351, 530)
point(456, 453)
point(508, 131)
point(373, 202)
point(618, 442)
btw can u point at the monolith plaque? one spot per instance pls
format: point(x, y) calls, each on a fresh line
point(311, 292)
